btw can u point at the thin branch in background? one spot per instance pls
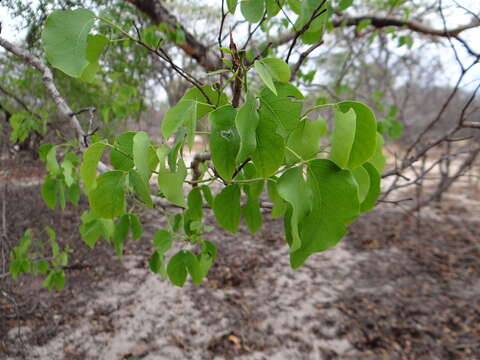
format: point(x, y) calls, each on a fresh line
point(316, 13)
point(250, 34)
point(303, 57)
point(220, 31)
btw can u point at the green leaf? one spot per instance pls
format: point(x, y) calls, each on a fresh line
point(207, 195)
point(378, 160)
point(252, 10)
point(171, 184)
point(140, 149)
point(277, 68)
point(281, 109)
point(246, 123)
point(269, 155)
point(207, 256)
point(345, 4)
point(51, 160)
point(195, 204)
point(363, 180)
point(135, 226)
point(252, 189)
point(64, 39)
point(121, 156)
point(95, 45)
point(156, 263)
point(224, 141)
point(162, 241)
point(49, 192)
point(334, 206)
point(176, 269)
point(73, 194)
point(364, 143)
point(193, 267)
point(252, 215)
point(273, 7)
point(265, 75)
point(120, 234)
point(232, 6)
point(184, 112)
point(88, 169)
point(373, 190)
point(107, 199)
point(292, 188)
point(305, 139)
point(279, 205)
point(343, 137)
point(141, 187)
point(226, 208)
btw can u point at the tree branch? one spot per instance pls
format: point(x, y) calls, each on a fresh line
point(192, 47)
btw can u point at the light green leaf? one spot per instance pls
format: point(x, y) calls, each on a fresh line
point(107, 199)
point(364, 143)
point(176, 269)
point(334, 206)
point(281, 109)
point(345, 4)
point(373, 190)
point(135, 226)
point(95, 45)
point(193, 267)
point(232, 6)
point(378, 160)
point(226, 208)
point(141, 187)
point(121, 156)
point(279, 205)
point(265, 75)
point(88, 169)
point(305, 139)
point(363, 180)
point(246, 123)
point(64, 39)
point(49, 192)
point(292, 188)
point(120, 233)
point(224, 141)
point(73, 194)
point(162, 241)
point(252, 215)
point(171, 184)
point(343, 137)
point(184, 112)
point(273, 7)
point(252, 10)
point(270, 152)
point(277, 68)
point(141, 147)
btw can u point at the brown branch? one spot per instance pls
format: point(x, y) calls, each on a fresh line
point(63, 108)
point(198, 159)
point(159, 14)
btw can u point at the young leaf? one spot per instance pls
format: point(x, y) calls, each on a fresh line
point(171, 184)
point(226, 208)
point(88, 169)
point(162, 241)
point(345, 152)
point(265, 75)
point(305, 139)
point(64, 39)
point(246, 123)
point(184, 112)
point(334, 206)
point(95, 45)
point(121, 156)
point(292, 188)
point(141, 187)
point(252, 10)
point(343, 137)
point(224, 141)
point(232, 6)
point(107, 199)
point(141, 145)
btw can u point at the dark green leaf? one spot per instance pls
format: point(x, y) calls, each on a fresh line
point(226, 208)
point(176, 269)
point(246, 123)
point(107, 199)
point(141, 187)
point(162, 241)
point(224, 141)
point(252, 215)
